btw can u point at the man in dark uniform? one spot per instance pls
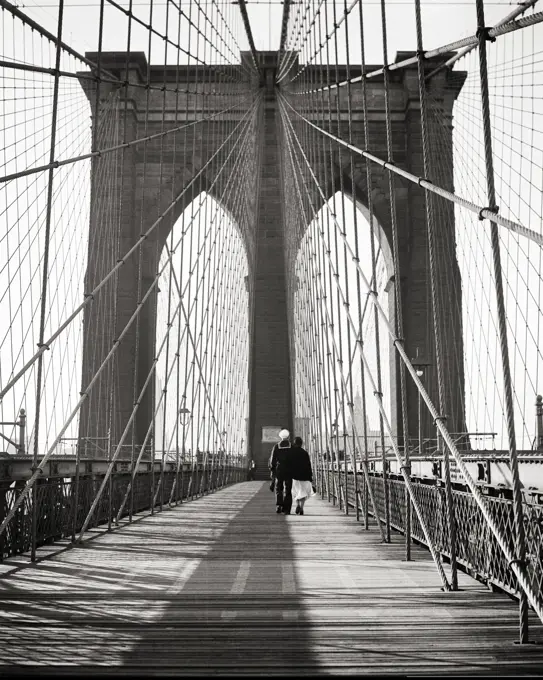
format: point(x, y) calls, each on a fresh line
point(280, 466)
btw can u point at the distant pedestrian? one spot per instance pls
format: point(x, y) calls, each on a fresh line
point(252, 471)
point(280, 467)
point(302, 475)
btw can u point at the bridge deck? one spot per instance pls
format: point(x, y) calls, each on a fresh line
point(224, 585)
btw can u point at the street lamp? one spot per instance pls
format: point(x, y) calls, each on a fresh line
point(184, 417)
point(419, 365)
point(223, 444)
point(21, 423)
point(184, 413)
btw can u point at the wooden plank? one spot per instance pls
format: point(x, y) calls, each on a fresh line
point(224, 585)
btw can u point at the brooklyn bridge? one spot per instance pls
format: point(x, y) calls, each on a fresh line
point(220, 220)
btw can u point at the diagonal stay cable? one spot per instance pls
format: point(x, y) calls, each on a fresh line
point(85, 393)
point(284, 27)
point(335, 348)
point(137, 403)
point(243, 9)
point(357, 334)
point(90, 296)
point(291, 58)
point(35, 26)
point(522, 7)
point(468, 43)
point(482, 212)
point(181, 294)
point(117, 147)
point(398, 343)
point(377, 393)
point(329, 36)
point(180, 306)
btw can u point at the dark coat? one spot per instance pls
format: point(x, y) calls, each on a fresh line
point(300, 464)
point(280, 460)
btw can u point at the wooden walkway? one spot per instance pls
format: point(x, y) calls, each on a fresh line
point(223, 585)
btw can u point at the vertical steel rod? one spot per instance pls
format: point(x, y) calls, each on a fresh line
point(45, 276)
point(520, 540)
point(436, 307)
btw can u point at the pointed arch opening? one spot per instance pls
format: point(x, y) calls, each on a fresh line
point(202, 337)
point(332, 311)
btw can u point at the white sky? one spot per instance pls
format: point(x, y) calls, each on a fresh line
point(518, 149)
point(443, 22)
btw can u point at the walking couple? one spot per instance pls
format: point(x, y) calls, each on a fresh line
point(291, 471)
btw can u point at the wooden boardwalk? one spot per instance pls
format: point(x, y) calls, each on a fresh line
point(223, 585)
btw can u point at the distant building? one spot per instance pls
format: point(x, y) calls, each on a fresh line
point(362, 427)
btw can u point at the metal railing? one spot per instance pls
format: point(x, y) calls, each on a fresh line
point(62, 504)
point(478, 552)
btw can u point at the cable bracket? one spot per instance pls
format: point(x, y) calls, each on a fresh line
point(491, 209)
point(484, 33)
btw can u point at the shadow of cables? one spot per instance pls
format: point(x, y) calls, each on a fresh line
point(239, 611)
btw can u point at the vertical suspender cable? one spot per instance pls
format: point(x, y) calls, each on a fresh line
point(336, 250)
point(369, 192)
point(395, 244)
point(355, 222)
point(482, 33)
point(45, 275)
point(436, 307)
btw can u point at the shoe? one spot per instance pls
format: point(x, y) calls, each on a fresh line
point(298, 509)
point(301, 511)
point(278, 509)
point(286, 512)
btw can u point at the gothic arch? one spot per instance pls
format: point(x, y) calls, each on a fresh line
point(266, 238)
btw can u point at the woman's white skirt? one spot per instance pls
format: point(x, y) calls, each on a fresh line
point(301, 490)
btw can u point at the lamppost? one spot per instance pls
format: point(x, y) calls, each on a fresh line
point(184, 417)
point(419, 365)
point(21, 423)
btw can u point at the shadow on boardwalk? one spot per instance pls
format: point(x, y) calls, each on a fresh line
point(224, 586)
point(238, 611)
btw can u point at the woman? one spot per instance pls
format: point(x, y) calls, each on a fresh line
point(302, 475)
